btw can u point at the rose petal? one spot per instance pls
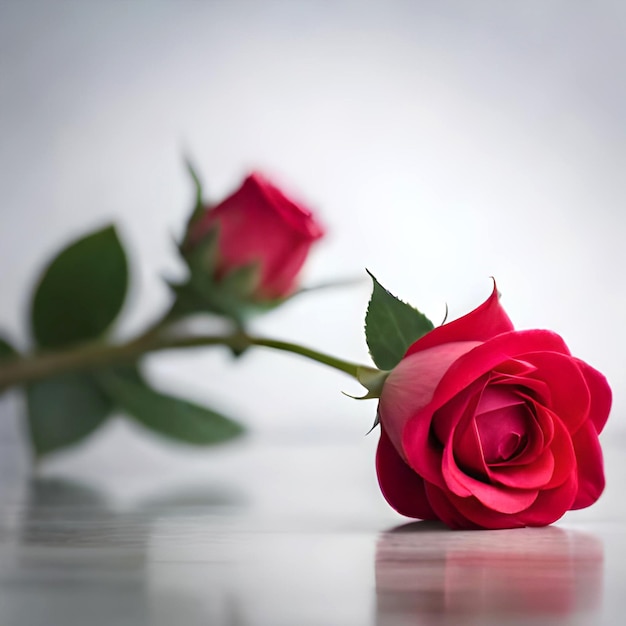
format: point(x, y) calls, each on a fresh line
point(538, 389)
point(445, 511)
point(487, 356)
point(590, 466)
point(551, 504)
point(296, 215)
point(563, 451)
point(495, 497)
point(496, 398)
point(515, 368)
point(282, 272)
point(534, 475)
point(400, 485)
point(467, 450)
point(545, 421)
point(469, 513)
point(569, 394)
point(453, 476)
point(410, 386)
point(446, 419)
point(601, 395)
point(539, 433)
point(481, 324)
point(422, 451)
point(502, 421)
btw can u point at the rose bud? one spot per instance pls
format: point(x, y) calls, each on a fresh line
point(258, 225)
point(483, 426)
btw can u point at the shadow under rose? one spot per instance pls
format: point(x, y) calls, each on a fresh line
point(424, 572)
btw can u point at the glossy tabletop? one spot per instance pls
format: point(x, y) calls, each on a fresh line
point(440, 143)
point(283, 533)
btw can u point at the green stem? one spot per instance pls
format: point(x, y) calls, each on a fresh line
point(155, 329)
point(339, 364)
point(29, 369)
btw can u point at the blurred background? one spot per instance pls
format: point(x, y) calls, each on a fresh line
point(440, 143)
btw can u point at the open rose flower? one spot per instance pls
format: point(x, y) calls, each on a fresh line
point(259, 225)
point(483, 426)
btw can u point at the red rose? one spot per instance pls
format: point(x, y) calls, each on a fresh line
point(258, 224)
point(483, 426)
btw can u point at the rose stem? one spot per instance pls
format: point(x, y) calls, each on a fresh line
point(35, 367)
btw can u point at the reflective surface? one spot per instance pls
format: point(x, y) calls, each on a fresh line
point(525, 575)
point(272, 535)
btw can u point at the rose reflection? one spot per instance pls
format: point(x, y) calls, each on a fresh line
point(423, 571)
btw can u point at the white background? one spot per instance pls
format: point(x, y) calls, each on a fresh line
point(440, 143)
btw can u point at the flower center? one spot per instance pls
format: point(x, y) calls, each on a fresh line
point(501, 422)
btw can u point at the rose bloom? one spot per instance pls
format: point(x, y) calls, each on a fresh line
point(483, 426)
point(259, 224)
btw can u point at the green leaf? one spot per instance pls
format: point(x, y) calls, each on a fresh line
point(391, 326)
point(64, 410)
point(81, 292)
point(7, 351)
point(167, 415)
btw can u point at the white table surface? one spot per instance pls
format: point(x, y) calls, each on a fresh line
point(263, 534)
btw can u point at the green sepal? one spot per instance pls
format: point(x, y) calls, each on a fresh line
point(372, 379)
point(202, 259)
point(232, 295)
point(376, 422)
point(165, 414)
point(199, 208)
point(391, 326)
point(64, 410)
point(81, 292)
